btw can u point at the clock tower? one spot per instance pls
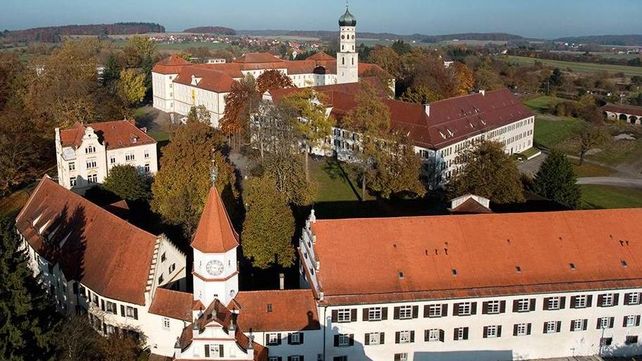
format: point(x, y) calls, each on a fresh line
point(347, 57)
point(215, 243)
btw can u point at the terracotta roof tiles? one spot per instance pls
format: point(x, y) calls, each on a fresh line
point(215, 233)
point(113, 134)
point(172, 304)
point(623, 108)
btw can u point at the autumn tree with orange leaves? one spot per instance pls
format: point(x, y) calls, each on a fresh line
point(273, 79)
point(240, 103)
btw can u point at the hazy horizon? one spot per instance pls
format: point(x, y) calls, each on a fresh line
point(541, 19)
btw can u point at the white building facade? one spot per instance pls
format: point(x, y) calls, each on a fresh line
point(85, 154)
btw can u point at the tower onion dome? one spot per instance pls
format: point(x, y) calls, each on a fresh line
point(347, 19)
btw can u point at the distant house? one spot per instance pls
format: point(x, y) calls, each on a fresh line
point(626, 113)
point(86, 153)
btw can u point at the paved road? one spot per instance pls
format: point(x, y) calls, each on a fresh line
point(612, 181)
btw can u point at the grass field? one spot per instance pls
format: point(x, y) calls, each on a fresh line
point(591, 170)
point(333, 185)
point(578, 67)
point(11, 205)
point(599, 197)
point(552, 132)
point(543, 104)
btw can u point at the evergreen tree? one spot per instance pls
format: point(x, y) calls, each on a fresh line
point(269, 225)
point(487, 171)
point(112, 71)
point(27, 316)
point(556, 180)
point(127, 182)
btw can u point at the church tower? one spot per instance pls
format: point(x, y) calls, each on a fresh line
point(215, 242)
point(347, 57)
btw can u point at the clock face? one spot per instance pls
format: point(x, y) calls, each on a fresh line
point(214, 267)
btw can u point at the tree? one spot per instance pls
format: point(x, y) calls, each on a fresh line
point(464, 78)
point(288, 172)
point(137, 49)
point(199, 114)
point(111, 74)
point(487, 79)
point(127, 182)
point(397, 170)
point(556, 180)
point(273, 79)
point(487, 171)
point(309, 119)
point(401, 47)
point(387, 59)
point(181, 186)
point(269, 225)
point(589, 137)
point(242, 101)
point(371, 119)
point(27, 316)
point(131, 87)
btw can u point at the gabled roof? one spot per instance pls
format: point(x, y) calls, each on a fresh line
point(215, 233)
point(170, 65)
point(320, 56)
point(623, 108)
point(258, 58)
point(172, 304)
point(471, 206)
point(278, 310)
point(208, 79)
point(483, 255)
point(113, 134)
point(93, 246)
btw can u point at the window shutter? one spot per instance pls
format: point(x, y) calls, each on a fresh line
point(396, 313)
point(278, 339)
point(301, 338)
point(626, 298)
point(367, 339)
point(502, 307)
point(546, 301)
point(353, 315)
point(473, 308)
point(412, 336)
point(397, 337)
point(545, 328)
point(485, 331)
point(444, 310)
point(585, 325)
point(616, 299)
point(289, 358)
point(624, 321)
point(220, 351)
point(456, 335)
point(589, 301)
point(426, 311)
point(532, 304)
point(336, 340)
point(611, 321)
point(289, 338)
point(515, 330)
point(207, 350)
point(135, 313)
point(426, 334)
point(637, 320)
point(562, 302)
point(515, 305)
point(442, 335)
point(366, 314)
point(559, 326)
point(456, 309)
point(384, 313)
point(600, 300)
point(351, 340)
point(485, 311)
point(300, 357)
point(465, 333)
point(102, 305)
point(572, 325)
point(528, 329)
point(335, 315)
point(122, 310)
point(573, 301)
point(499, 331)
point(599, 322)
point(382, 338)
point(415, 311)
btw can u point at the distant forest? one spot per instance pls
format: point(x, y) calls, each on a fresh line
point(54, 34)
point(621, 40)
point(220, 30)
point(472, 36)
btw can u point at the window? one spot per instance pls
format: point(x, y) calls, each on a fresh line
point(90, 149)
point(340, 358)
point(92, 178)
point(553, 303)
point(401, 357)
point(109, 329)
point(579, 325)
point(492, 307)
point(375, 314)
point(91, 164)
point(163, 257)
point(405, 337)
point(582, 301)
point(146, 168)
point(146, 154)
point(631, 321)
point(161, 279)
point(344, 315)
point(165, 323)
point(72, 181)
point(605, 322)
point(630, 340)
point(110, 307)
point(131, 312)
point(632, 298)
point(434, 335)
point(343, 340)
point(606, 341)
point(112, 160)
point(295, 338)
point(607, 300)
point(273, 339)
point(172, 267)
point(523, 305)
point(404, 312)
point(213, 350)
point(521, 329)
point(72, 166)
point(374, 338)
point(461, 333)
point(274, 358)
point(492, 331)
point(434, 311)
point(129, 157)
point(295, 358)
point(465, 309)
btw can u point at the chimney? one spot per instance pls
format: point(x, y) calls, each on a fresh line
point(427, 109)
point(482, 92)
point(281, 281)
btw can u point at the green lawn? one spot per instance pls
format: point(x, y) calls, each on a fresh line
point(599, 197)
point(333, 185)
point(11, 204)
point(577, 67)
point(543, 104)
point(552, 131)
point(591, 170)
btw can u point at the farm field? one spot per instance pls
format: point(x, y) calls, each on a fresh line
point(578, 67)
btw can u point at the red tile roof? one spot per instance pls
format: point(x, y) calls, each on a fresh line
point(93, 246)
point(172, 304)
point(623, 108)
point(215, 233)
point(470, 206)
point(210, 79)
point(171, 65)
point(113, 134)
point(258, 58)
point(320, 56)
point(289, 310)
point(434, 257)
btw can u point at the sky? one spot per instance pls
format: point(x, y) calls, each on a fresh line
point(530, 18)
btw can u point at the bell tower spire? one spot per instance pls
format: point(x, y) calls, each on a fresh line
point(347, 57)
